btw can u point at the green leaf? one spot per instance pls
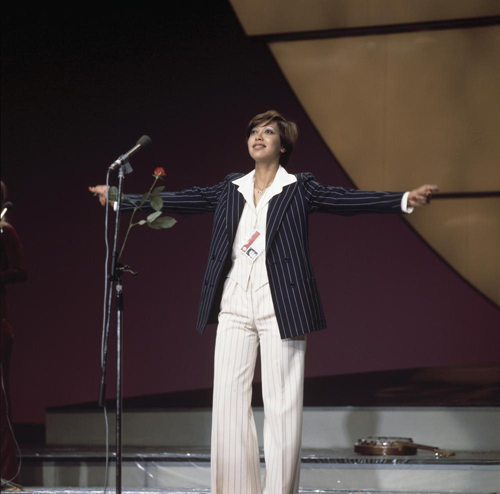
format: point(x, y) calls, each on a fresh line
point(113, 194)
point(165, 222)
point(153, 216)
point(142, 222)
point(157, 203)
point(157, 190)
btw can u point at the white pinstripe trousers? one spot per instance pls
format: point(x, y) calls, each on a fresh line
point(247, 321)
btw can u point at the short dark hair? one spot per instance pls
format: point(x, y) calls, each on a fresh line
point(288, 130)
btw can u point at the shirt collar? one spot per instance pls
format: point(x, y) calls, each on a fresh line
point(246, 186)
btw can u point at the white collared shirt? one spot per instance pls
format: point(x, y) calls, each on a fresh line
point(254, 218)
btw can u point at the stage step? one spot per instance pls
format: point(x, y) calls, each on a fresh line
point(321, 470)
point(169, 448)
point(42, 490)
point(455, 428)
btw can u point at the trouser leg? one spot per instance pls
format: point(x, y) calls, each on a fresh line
point(235, 465)
point(282, 389)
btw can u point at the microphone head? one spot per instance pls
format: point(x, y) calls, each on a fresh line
point(144, 141)
point(8, 205)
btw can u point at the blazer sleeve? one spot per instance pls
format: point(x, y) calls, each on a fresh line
point(338, 200)
point(196, 200)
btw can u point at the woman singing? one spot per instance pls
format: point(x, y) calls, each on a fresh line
point(260, 286)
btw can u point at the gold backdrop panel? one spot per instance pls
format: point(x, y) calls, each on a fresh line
point(466, 232)
point(405, 109)
point(260, 17)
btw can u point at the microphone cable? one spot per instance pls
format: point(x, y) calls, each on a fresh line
point(104, 321)
point(18, 449)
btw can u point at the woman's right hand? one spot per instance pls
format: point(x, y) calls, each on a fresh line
point(101, 191)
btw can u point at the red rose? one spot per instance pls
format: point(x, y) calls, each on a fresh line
point(159, 172)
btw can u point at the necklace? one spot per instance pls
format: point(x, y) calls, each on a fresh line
point(261, 191)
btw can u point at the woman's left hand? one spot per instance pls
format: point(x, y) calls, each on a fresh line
point(421, 196)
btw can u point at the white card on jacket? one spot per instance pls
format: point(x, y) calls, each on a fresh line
point(254, 245)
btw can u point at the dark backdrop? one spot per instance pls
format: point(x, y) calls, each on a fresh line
point(79, 87)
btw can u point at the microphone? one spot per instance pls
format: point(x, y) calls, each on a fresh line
point(143, 142)
point(6, 206)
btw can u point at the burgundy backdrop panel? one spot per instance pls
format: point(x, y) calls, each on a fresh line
point(78, 89)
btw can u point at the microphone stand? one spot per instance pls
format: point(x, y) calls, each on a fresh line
point(115, 277)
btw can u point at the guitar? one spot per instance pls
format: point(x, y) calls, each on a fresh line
point(397, 446)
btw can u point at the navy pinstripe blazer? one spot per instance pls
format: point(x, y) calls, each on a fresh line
point(293, 286)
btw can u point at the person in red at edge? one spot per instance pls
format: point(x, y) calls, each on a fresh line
point(13, 270)
point(259, 259)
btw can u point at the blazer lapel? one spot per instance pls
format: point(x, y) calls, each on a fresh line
point(235, 204)
point(277, 207)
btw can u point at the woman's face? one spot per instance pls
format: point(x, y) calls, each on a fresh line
point(264, 144)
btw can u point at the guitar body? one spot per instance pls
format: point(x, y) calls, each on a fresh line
point(393, 446)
